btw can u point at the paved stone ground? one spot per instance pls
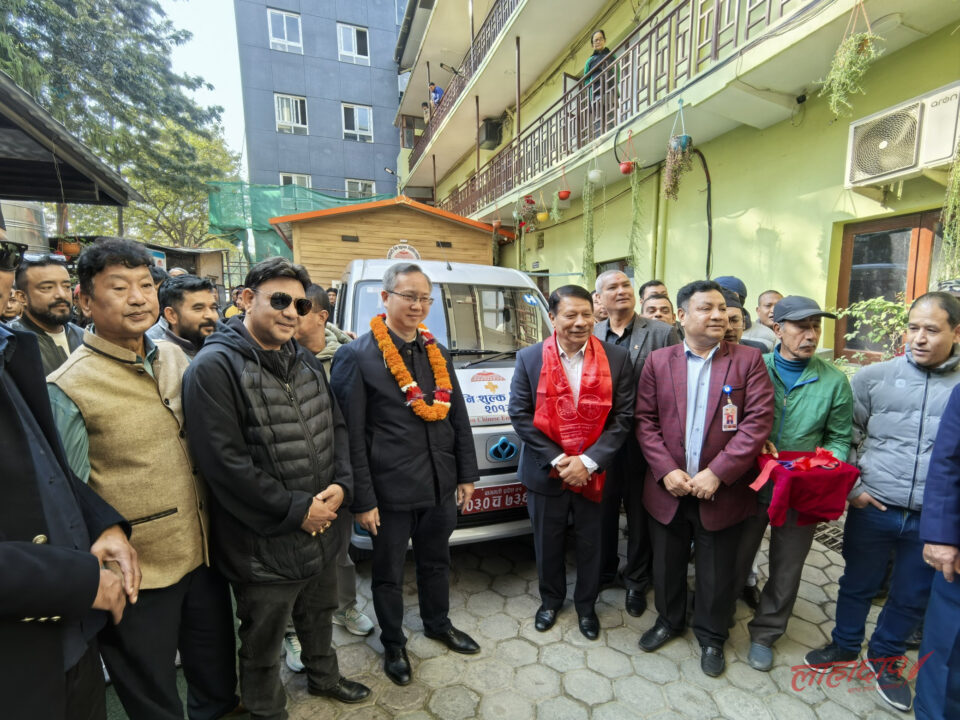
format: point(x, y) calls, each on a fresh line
point(560, 675)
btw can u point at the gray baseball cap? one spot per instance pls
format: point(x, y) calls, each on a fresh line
point(797, 307)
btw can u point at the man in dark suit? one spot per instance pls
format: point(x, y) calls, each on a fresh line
point(640, 336)
point(704, 410)
point(571, 403)
point(56, 535)
point(411, 447)
point(938, 684)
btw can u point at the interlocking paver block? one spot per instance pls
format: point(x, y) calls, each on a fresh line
point(440, 671)
point(397, 698)
point(487, 675)
point(499, 627)
point(656, 668)
point(561, 708)
point(506, 705)
point(509, 585)
point(587, 686)
point(562, 657)
point(690, 700)
point(737, 703)
point(484, 604)
point(639, 693)
point(454, 703)
point(517, 652)
point(608, 662)
point(537, 681)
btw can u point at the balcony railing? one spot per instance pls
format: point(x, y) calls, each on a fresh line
point(675, 44)
point(485, 38)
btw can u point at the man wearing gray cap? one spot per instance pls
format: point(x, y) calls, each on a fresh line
point(813, 408)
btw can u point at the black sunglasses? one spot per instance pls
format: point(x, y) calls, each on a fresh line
point(281, 301)
point(11, 255)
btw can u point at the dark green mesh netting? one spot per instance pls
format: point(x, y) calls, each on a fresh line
point(236, 207)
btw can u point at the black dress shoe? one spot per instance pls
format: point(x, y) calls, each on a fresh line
point(590, 626)
point(396, 665)
point(656, 637)
point(711, 660)
point(544, 619)
point(456, 640)
point(751, 596)
point(636, 603)
point(346, 691)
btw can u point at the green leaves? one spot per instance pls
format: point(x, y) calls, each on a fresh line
point(883, 322)
point(850, 63)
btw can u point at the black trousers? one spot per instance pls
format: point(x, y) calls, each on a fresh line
point(192, 615)
point(549, 515)
point(85, 691)
point(430, 529)
point(263, 610)
point(715, 569)
point(625, 484)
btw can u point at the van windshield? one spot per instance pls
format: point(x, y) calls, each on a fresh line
point(465, 318)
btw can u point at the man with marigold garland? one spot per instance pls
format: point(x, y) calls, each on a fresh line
point(413, 459)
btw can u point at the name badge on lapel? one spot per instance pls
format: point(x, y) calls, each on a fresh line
point(729, 412)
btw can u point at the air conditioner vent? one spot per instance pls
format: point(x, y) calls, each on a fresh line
point(904, 141)
point(885, 145)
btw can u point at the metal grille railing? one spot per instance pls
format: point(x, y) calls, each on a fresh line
point(485, 38)
point(669, 49)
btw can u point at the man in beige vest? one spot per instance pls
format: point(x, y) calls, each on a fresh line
point(116, 403)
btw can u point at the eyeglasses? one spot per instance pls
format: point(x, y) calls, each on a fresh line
point(413, 299)
point(11, 255)
point(281, 301)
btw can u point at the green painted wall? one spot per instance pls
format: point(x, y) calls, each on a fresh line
point(779, 205)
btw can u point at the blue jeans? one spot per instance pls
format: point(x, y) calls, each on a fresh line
point(869, 537)
point(938, 684)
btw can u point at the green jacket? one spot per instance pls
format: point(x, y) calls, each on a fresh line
point(816, 412)
point(335, 337)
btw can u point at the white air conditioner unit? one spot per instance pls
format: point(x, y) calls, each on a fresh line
point(913, 138)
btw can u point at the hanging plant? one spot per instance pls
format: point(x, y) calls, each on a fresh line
point(542, 213)
point(850, 62)
point(677, 163)
point(627, 166)
point(636, 224)
point(950, 252)
point(564, 192)
point(555, 214)
point(589, 270)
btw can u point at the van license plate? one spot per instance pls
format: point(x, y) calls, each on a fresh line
point(496, 497)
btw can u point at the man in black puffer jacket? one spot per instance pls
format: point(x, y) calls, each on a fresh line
point(268, 437)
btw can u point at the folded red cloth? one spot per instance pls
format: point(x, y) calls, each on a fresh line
point(814, 485)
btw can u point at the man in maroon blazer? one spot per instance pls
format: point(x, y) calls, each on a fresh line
point(704, 410)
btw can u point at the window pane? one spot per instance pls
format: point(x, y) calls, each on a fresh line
point(276, 25)
point(346, 39)
point(363, 119)
point(293, 29)
point(362, 43)
point(302, 107)
point(348, 121)
point(878, 268)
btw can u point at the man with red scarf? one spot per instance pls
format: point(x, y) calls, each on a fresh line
point(571, 402)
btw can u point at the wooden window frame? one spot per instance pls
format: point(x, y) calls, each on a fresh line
point(919, 259)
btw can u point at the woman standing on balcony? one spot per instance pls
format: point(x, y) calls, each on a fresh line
point(596, 64)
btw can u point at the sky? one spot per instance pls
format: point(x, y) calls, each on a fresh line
point(212, 54)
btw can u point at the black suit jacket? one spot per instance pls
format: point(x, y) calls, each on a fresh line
point(37, 579)
point(648, 335)
point(400, 462)
point(538, 450)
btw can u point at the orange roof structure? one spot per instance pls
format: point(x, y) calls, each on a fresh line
point(402, 200)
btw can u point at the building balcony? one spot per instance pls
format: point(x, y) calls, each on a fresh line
point(733, 62)
point(486, 81)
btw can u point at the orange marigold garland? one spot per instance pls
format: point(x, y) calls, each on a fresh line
point(408, 386)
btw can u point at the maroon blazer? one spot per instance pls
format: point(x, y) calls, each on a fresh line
point(661, 414)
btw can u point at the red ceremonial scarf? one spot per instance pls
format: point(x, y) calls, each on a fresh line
point(575, 427)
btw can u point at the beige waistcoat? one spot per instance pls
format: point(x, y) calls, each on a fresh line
point(139, 461)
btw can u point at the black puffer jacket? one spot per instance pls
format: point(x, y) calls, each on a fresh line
point(267, 435)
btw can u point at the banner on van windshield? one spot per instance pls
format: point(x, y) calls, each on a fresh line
point(486, 393)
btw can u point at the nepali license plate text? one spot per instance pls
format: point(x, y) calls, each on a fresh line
point(496, 497)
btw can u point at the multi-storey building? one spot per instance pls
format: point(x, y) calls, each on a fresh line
point(320, 93)
point(796, 199)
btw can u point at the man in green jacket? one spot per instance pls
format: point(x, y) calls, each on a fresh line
point(813, 408)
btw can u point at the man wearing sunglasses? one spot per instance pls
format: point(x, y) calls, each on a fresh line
point(116, 402)
point(410, 472)
point(272, 444)
point(56, 535)
point(44, 286)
